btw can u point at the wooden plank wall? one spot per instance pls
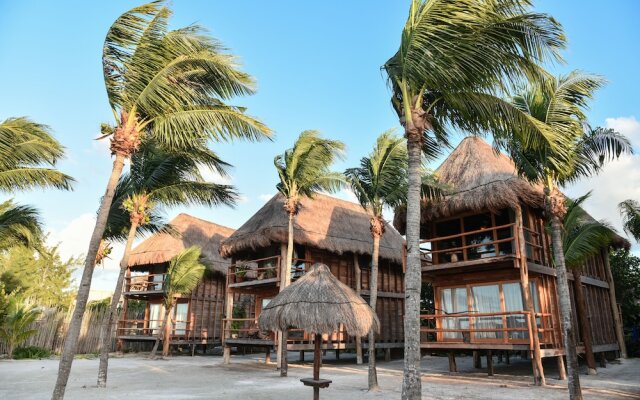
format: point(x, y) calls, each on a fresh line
point(390, 310)
point(207, 308)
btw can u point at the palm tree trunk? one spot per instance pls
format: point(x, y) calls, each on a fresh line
point(160, 335)
point(411, 384)
point(373, 299)
point(168, 324)
point(585, 328)
point(105, 329)
point(575, 392)
point(286, 280)
point(71, 340)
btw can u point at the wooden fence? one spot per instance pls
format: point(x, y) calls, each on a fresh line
point(52, 329)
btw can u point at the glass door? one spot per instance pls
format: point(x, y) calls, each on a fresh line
point(156, 313)
point(181, 319)
point(454, 301)
point(486, 299)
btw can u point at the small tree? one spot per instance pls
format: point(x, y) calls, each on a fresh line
point(630, 211)
point(16, 326)
point(184, 273)
point(304, 171)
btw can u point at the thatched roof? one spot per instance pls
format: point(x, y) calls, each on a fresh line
point(323, 222)
point(192, 231)
point(319, 303)
point(478, 179)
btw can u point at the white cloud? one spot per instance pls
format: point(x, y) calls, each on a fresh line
point(213, 176)
point(347, 194)
point(619, 180)
point(265, 197)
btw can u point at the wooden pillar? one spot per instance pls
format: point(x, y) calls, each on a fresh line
point(477, 361)
point(562, 371)
point(337, 354)
point(226, 354)
point(603, 360)
point(387, 354)
point(507, 356)
point(301, 355)
point(452, 362)
point(267, 356)
point(317, 362)
point(614, 303)
point(489, 363)
point(358, 276)
point(585, 328)
point(528, 301)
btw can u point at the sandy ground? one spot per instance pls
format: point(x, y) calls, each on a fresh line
point(205, 377)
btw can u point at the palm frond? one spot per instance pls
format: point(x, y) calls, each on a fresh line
point(19, 225)
point(184, 273)
point(630, 211)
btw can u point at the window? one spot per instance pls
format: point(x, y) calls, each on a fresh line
point(454, 301)
point(181, 318)
point(486, 299)
point(156, 313)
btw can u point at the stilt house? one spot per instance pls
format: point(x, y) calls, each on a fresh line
point(329, 231)
point(197, 317)
point(484, 244)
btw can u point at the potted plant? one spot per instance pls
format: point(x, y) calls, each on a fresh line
point(268, 271)
point(237, 312)
point(240, 273)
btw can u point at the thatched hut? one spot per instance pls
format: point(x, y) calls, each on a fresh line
point(327, 230)
point(198, 316)
point(491, 264)
point(319, 303)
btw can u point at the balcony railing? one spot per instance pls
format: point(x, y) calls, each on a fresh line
point(511, 327)
point(145, 283)
point(264, 270)
point(247, 328)
point(151, 328)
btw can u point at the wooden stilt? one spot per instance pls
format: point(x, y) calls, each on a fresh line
point(452, 362)
point(477, 361)
point(226, 355)
point(358, 276)
point(603, 360)
point(301, 355)
point(499, 357)
point(507, 356)
point(489, 363)
point(337, 354)
point(267, 356)
point(387, 354)
point(562, 372)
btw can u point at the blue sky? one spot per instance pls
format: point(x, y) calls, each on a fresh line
point(317, 65)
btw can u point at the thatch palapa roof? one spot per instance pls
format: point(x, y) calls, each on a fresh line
point(323, 222)
point(478, 179)
point(192, 231)
point(319, 303)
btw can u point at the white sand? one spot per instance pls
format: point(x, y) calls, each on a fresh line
point(205, 377)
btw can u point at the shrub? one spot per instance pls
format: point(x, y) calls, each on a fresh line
point(31, 352)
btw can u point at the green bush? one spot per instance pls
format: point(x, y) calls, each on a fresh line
point(31, 352)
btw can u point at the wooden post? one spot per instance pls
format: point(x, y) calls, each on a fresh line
point(477, 361)
point(337, 354)
point(614, 302)
point(358, 275)
point(507, 356)
point(603, 360)
point(528, 301)
point(489, 363)
point(562, 371)
point(452, 362)
point(585, 328)
point(301, 355)
point(226, 354)
point(387, 354)
point(267, 356)
point(317, 357)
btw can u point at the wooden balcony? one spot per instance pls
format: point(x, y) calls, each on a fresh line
point(492, 245)
point(510, 330)
point(144, 285)
point(145, 329)
point(263, 272)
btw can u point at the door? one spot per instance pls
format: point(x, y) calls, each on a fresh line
point(156, 313)
point(181, 318)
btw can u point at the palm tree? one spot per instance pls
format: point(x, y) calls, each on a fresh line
point(184, 273)
point(453, 60)
point(379, 182)
point(167, 87)
point(582, 238)
point(303, 171)
point(559, 104)
point(630, 210)
point(16, 326)
point(157, 178)
point(28, 155)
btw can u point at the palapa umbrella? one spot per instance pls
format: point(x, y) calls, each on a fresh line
point(319, 303)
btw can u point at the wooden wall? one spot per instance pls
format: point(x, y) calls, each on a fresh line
point(206, 308)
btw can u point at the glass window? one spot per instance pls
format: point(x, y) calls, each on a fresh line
point(156, 313)
point(448, 228)
point(454, 301)
point(181, 318)
point(486, 299)
point(513, 302)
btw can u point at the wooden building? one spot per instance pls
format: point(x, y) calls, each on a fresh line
point(197, 317)
point(329, 231)
point(485, 242)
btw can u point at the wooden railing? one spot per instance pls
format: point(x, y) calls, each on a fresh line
point(146, 327)
point(145, 283)
point(534, 246)
point(263, 269)
point(445, 249)
point(247, 328)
